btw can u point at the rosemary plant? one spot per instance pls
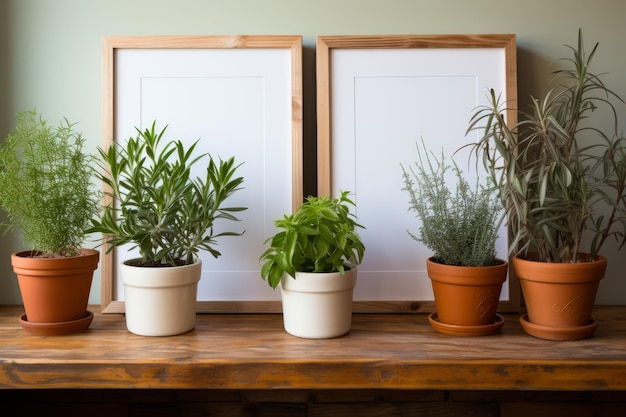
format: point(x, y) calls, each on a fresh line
point(46, 185)
point(459, 225)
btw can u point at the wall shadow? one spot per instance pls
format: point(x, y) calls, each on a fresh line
point(531, 69)
point(10, 242)
point(6, 57)
point(309, 122)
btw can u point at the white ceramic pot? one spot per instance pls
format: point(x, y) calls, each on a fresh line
point(318, 305)
point(160, 301)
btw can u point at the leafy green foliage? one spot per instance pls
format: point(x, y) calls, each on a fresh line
point(320, 236)
point(165, 212)
point(46, 184)
point(559, 177)
point(460, 227)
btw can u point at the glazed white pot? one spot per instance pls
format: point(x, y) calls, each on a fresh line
point(160, 301)
point(318, 305)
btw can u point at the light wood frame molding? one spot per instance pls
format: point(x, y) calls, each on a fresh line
point(292, 44)
point(327, 50)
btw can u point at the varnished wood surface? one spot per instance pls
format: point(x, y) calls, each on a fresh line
point(252, 351)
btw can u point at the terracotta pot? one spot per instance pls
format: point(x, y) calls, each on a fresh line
point(318, 305)
point(160, 301)
point(559, 294)
point(466, 295)
point(55, 289)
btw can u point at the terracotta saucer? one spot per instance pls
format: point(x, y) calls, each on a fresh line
point(55, 329)
point(456, 330)
point(557, 333)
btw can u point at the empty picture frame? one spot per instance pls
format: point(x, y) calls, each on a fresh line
point(378, 97)
point(240, 96)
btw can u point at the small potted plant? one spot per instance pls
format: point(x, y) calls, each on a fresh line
point(561, 178)
point(460, 226)
point(314, 258)
point(158, 207)
point(47, 192)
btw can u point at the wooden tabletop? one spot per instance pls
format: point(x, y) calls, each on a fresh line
point(252, 351)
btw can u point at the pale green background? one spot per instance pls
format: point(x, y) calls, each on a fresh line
point(50, 57)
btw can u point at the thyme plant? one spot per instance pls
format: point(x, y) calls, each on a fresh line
point(458, 224)
point(46, 185)
point(155, 204)
point(321, 236)
point(560, 178)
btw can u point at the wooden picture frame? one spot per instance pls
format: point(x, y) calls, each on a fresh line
point(377, 98)
point(242, 97)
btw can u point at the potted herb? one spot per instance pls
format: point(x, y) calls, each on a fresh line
point(47, 192)
point(158, 207)
point(314, 258)
point(561, 178)
point(459, 224)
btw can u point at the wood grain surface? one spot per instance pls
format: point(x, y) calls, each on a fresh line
point(252, 351)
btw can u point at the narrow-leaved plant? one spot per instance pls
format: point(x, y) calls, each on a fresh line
point(157, 205)
point(560, 177)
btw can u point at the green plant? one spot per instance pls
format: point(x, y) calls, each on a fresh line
point(320, 236)
point(165, 212)
point(560, 178)
point(460, 227)
point(46, 185)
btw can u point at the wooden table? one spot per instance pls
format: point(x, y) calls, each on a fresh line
point(252, 351)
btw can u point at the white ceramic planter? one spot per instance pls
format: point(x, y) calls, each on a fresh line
point(318, 305)
point(160, 301)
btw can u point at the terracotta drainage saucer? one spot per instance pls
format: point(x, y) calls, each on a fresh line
point(54, 329)
point(557, 333)
point(456, 330)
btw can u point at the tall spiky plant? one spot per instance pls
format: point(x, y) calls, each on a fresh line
point(560, 177)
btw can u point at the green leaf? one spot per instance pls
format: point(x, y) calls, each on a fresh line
point(324, 237)
point(169, 215)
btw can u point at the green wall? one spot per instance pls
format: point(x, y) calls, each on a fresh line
point(50, 56)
